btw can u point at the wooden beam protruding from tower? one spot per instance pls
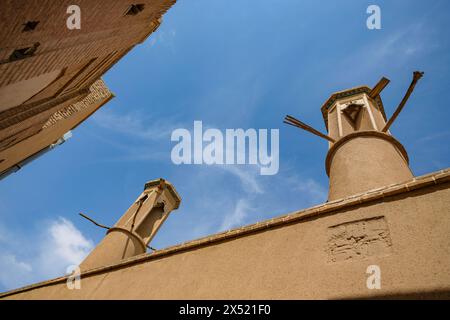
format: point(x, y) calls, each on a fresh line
point(416, 76)
point(297, 123)
point(379, 87)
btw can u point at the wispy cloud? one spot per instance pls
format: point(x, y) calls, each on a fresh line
point(60, 246)
point(259, 198)
point(434, 136)
point(397, 48)
point(162, 37)
point(237, 217)
point(13, 273)
point(142, 133)
point(247, 175)
point(408, 41)
point(310, 188)
point(135, 125)
point(143, 151)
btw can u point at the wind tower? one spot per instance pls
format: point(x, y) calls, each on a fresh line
point(133, 232)
point(362, 155)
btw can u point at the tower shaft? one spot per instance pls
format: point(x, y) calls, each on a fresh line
point(136, 228)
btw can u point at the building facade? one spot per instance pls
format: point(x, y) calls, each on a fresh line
point(47, 69)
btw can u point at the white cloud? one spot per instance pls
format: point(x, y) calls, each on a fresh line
point(310, 192)
point(61, 245)
point(256, 196)
point(65, 245)
point(247, 175)
point(237, 217)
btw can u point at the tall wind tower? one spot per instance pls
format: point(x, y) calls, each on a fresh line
point(362, 155)
point(133, 232)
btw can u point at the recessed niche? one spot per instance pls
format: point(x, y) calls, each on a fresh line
point(30, 26)
point(23, 53)
point(134, 9)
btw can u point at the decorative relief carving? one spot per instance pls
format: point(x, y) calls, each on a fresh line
point(358, 239)
point(99, 92)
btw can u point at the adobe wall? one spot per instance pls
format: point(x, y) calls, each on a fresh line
point(104, 29)
point(322, 252)
point(56, 126)
point(64, 63)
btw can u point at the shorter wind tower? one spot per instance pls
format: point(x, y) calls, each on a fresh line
point(362, 155)
point(133, 232)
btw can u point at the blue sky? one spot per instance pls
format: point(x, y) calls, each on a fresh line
point(242, 64)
